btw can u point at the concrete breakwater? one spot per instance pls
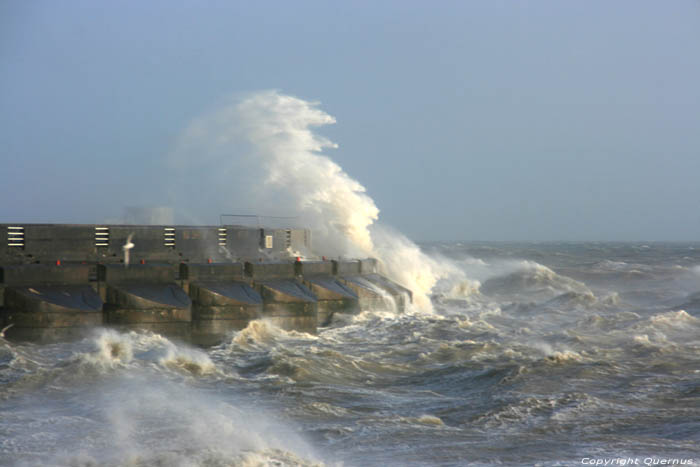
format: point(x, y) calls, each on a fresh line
point(199, 283)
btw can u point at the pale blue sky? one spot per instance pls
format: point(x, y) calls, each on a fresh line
point(481, 120)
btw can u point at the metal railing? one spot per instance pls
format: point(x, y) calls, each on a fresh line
point(255, 220)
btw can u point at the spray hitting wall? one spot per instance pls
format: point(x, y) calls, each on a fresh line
point(260, 152)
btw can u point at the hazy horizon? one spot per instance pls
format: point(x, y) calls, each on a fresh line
point(479, 121)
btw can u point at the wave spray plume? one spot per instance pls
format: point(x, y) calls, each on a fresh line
point(262, 148)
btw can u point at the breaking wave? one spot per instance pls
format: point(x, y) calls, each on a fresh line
point(269, 137)
point(113, 349)
point(119, 399)
point(533, 280)
point(263, 333)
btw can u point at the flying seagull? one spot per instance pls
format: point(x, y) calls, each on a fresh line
point(127, 246)
point(2, 333)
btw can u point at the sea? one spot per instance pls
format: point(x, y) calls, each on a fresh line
point(533, 354)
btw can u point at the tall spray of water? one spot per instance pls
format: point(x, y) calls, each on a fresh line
point(260, 152)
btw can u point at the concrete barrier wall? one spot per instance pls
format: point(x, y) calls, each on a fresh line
point(48, 243)
point(38, 274)
point(204, 299)
point(222, 299)
point(314, 268)
point(373, 290)
point(56, 242)
point(211, 271)
point(347, 268)
point(270, 270)
point(332, 295)
point(236, 243)
point(65, 277)
point(286, 300)
point(37, 299)
point(145, 296)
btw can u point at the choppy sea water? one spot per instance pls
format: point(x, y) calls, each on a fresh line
point(547, 354)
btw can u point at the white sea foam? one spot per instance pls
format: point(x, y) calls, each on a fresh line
point(464, 289)
point(528, 278)
point(676, 319)
point(258, 332)
point(147, 422)
point(261, 333)
point(268, 137)
point(186, 359)
point(427, 419)
point(113, 349)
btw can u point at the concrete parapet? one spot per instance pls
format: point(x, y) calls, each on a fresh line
point(270, 270)
point(47, 243)
point(314, 268)
point(154, 273)
point(206, 272)
point(38, 274)
point(355, 267)
point(347, 268)
point(149, 244)
point(369, 266)
point(52, 242)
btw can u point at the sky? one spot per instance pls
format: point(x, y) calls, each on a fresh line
point(469, 120)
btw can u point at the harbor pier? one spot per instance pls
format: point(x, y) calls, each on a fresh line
point(194, 282)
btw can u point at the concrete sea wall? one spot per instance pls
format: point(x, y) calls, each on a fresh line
point(198, 283)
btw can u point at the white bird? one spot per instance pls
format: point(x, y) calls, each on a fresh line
point(127, 246)
point(2, 333)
